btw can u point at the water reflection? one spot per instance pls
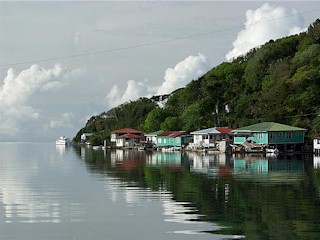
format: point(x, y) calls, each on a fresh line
point(158, 158)
point(316, 162)
point(210, 164)
point(276, 196)
point(61, 149)
point(173, 195)
point(24, 198)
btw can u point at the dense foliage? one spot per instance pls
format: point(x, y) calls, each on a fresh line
point(280, 81)
point(130, 115)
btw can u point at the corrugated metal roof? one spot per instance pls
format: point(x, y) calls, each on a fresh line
point(214, 130)
point(130, 135)
point(172, 133)
point(268, 127)
point(224, 130)
point(127, 130)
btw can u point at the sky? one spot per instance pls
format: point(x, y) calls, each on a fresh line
point(63, 62)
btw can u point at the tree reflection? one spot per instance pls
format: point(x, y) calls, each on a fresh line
point(258, 197)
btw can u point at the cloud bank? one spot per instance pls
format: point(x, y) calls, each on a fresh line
point(18, 88)
point(263, 24)
point(65, 119)
point(189, 69)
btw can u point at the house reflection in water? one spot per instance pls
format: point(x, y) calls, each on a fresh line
point(257, 166)
point(260, 165)
point(316, 162)
point(127, 160)
point(164, 158)
point(210, 164)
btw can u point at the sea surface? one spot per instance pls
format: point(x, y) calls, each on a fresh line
point(56, 192)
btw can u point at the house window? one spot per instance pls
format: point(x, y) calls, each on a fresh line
point(159, 140)
point(288, 135)
point(318, 141)
point(272, 135)
point(260, 136)
point(298, 133)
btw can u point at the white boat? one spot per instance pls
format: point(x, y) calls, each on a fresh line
point(96, 147)
point(272, 150)
point(63, 141)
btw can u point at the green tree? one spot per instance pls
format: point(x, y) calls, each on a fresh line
point(154, 119)
point(171, 124)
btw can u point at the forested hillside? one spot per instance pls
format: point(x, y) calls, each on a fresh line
point(280, 82)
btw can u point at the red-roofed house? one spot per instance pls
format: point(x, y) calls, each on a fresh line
point(126, 137)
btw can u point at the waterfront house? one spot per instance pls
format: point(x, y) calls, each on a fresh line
point(272, 134)
point(316, 145)
point(175, 139)
point(126, 137)
point(151, 138)
point(208, 138)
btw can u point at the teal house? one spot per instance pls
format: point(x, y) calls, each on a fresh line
point(269, 133)
point(152, 137)
point(172, 139)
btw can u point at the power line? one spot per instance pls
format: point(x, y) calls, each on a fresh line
point(143, 44)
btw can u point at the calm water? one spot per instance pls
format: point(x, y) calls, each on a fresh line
point(49, 192)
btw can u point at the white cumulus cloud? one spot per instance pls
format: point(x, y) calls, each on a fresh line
point(263, 24)
point(133, 91)
point(18, 88)
point(189, 69)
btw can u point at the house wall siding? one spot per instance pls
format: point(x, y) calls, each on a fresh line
point(239, 139)
point(283, 137)
point(260, 137)
point(168, 141)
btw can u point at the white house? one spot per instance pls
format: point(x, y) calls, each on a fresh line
point(316, 145)
point(127, 140)
point(126, 137)
point(208, 138)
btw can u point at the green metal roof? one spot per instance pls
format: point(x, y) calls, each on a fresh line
point(155, 133)
point(268, 127)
